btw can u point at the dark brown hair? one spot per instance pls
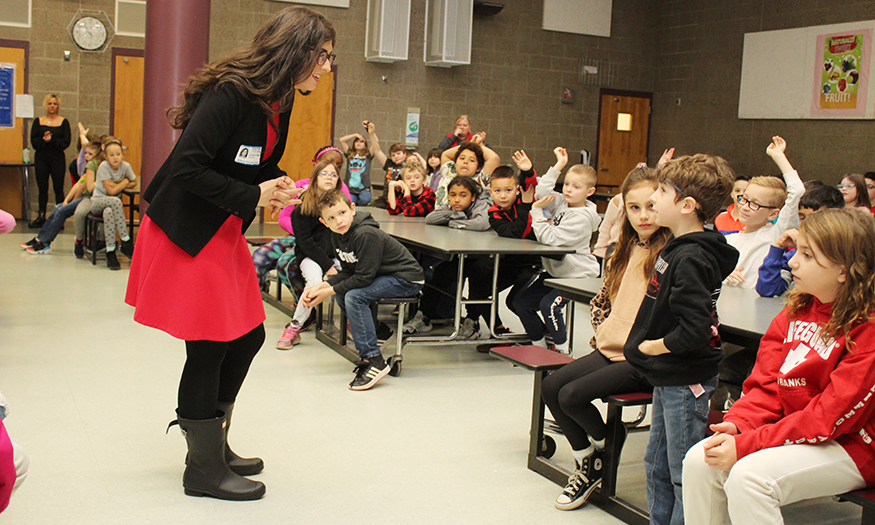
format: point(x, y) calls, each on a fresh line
point(310, 197)
point(862, 191)
point(332, 197)
point(707, 179)
point(282, 54)
point(474, 148)
point(618, 260)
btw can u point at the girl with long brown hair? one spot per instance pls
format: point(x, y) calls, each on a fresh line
point(570, 391)
point(192, 275)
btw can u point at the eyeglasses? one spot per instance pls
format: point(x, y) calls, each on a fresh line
point(848, 186)
point(328, 174)
point(699, 212)
point(679, 191)
point(752, 205)
point(326, 57)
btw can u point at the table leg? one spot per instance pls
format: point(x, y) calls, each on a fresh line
point(25, 192)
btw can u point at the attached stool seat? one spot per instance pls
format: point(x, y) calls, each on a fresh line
point(93, 234)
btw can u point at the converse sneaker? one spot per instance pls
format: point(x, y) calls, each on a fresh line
point(112, 260)
point(290, 337)
point(79, 248)
point(368, 372)
point(586, 477)
point(39, 248)
point(28, 244)
point(417, 325)
point(469, 329)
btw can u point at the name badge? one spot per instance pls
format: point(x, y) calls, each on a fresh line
point(248, 155)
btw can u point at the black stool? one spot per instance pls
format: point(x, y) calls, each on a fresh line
point(93, 227)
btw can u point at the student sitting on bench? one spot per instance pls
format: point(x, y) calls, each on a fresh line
point(570, 391)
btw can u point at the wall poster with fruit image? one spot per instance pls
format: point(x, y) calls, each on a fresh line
point(842, 74)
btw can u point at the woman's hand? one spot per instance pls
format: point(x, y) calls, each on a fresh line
point(278, 193)
point(47, 136)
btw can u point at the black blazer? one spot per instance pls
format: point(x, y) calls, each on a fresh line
point(214, 169)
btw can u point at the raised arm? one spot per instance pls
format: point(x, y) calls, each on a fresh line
point(344, 141)
point(491, 160)
point(376, 150)
point(789, 215)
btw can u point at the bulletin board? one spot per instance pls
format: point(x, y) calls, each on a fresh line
point(819, 72)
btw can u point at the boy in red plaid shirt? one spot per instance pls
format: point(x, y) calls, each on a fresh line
point(410, 196)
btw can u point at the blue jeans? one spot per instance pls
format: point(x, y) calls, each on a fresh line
point(56, 220)
point(356, 304)
point(679, 421)
point(363, 198)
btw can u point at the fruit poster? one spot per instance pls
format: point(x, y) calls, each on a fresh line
point(842, 73)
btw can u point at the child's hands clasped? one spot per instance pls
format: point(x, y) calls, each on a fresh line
point(317, 294)
point(720, 451)
point(522, 160)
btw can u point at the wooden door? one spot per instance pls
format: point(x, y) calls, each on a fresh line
point(127, 106)
point(12, 140)
point(311, 126)
point(624, 131)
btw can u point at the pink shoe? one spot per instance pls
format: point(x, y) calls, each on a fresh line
point(290, 337)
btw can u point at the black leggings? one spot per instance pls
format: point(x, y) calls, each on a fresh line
point(49, 163)
point(570, 391)
point(214, 372)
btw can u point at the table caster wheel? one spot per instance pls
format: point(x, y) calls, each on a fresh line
point(395, 371)
point(548, 447)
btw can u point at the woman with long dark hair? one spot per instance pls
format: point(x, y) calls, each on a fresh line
point(192, 275)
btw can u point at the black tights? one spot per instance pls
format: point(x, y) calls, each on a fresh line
point(214, 372)
point(570, 391)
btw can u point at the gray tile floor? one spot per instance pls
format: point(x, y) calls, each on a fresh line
point(91, 393)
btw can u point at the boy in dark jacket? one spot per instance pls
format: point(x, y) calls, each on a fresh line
point(674, 341)
point(373, 266)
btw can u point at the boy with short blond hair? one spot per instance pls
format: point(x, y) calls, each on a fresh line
point(674, 341)
point(373, 266)
point(572, 220)
point(416, 199)
point(765, 199)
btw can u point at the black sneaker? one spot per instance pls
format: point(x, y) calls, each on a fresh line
point(369, 372)
point(39, 248)
point(112, 261)
point(127, 248)
point(79, 248)
point(28, 244)
point(585, 479)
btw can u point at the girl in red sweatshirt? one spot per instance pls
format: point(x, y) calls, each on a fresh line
point(804, 427)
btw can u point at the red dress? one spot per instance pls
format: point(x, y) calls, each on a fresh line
point(212, 296)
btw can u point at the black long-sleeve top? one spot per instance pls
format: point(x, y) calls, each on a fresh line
point(60, 136)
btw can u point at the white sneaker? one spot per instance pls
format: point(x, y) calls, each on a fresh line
point(417, 325)
point(469, 330)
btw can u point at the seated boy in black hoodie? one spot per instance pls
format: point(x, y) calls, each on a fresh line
point(373, 266)
point(674, 342)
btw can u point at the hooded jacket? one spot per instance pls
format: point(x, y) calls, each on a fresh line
point(680, 307)
point(366, 252)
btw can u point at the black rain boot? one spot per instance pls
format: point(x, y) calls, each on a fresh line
point(39, 221)
point(206, 473)
point(241, 466)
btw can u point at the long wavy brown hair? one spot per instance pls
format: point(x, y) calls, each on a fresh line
point(310, 196)
point(618, 260)
point(845, 237)
point(282, 54)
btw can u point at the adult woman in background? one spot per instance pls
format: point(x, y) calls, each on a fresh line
point(50, 136)
point(192, 274)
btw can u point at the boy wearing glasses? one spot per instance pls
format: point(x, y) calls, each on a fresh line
point(764, 200)
point(674, 342)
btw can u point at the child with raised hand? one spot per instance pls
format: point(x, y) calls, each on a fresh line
point(764, 200)
point(674, 341)
point(358, 168)
point(373, 266)
point(392, 165)
point(114, 175)
point(571, 390)
point(41, 244)
point(410, 196)
point(470, 159)
point(312, 245)
point(572, 221)
point(802, 429)
point(465, 209)
point(774, 273)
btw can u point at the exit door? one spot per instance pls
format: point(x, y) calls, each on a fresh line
point(624, 132)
